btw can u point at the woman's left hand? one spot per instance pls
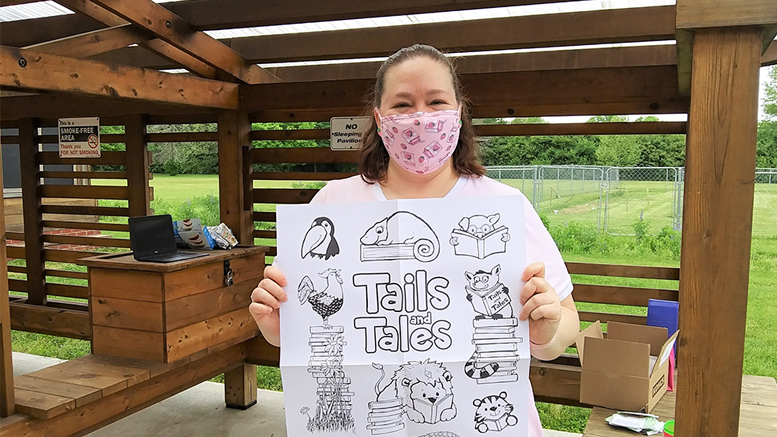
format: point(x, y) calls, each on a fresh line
point(541, 305)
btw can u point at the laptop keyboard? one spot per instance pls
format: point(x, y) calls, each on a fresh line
point(175, 256)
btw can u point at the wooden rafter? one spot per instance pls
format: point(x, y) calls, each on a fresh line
point(31, 70)
point(49, 107)
point(550, 60)
point(163, 49)
point(770, 56)
point(230, 14)
point(226, 14)
point(578, 28)
point(176, 31)
point(15, 2)
point(554, 92)
point(95, 42)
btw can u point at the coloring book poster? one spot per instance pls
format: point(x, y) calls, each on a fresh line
point(402, 318)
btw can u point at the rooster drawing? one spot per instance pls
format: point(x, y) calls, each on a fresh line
point(327, 301)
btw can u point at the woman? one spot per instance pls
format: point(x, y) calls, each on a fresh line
point(420, 79)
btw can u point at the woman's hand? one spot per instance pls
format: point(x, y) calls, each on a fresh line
point(266, 300)
point(541, 305)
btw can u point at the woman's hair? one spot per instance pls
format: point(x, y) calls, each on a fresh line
point(373, 157)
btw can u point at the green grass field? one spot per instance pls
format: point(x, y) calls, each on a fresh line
point(563, 201)
point(561, 207)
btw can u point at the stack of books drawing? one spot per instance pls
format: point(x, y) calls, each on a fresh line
point(385, 417)
point(496, 342)
point(334, 406)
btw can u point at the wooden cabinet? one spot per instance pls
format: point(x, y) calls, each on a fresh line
point(168, 312)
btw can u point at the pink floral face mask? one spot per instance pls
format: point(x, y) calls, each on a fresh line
point(423, 141)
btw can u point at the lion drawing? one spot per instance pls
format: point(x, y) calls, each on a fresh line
point(425, 388)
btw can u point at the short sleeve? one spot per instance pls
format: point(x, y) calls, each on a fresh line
point(321, 196)
point(541, 247)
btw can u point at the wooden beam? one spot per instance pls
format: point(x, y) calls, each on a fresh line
point(176, 31)
point(163, 49)
point(717, 228)
point(7, 401)
point(770, 33)
point(593, 87)
point(50, 320)
point(596, 27)
point(770, 56)
point(50, 106)
point(550, 60)
point(137, 166)
point(234, 183)
point(93, 43)
point(699, 14)
point(240, 387)
point(33, 216)
point(27, 69)
point(15, 2)
point(554, 30)
point(228, 14)
point(684, 47)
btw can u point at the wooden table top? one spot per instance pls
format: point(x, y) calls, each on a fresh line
point(126, 261)
point(757, 417)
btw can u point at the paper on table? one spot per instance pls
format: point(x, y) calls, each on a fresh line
point(388, 332)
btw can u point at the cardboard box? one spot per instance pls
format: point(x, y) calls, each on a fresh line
point(627, 371)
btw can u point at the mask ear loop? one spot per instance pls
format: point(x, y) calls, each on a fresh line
point(379, 118)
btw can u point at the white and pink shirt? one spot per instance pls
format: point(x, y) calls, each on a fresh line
point(539, 244)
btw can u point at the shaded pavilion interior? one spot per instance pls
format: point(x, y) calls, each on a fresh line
point(105, 60)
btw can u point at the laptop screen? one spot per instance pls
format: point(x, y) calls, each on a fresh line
point(151, 235)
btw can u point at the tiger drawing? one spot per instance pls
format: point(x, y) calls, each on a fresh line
point(494, 413)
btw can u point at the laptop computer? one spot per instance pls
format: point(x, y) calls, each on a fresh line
point(152, 239)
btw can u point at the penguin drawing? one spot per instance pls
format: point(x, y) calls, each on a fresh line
point(320, 240)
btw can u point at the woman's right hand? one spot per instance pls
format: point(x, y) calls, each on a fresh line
point(266, 300)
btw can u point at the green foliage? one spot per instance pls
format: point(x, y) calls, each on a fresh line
point(667, 242)
point(618, 151)
point(607, 119)
point(308, 185)
point(770, 99)
point(204, 207)
point(641, 228)
point(766, 146)
point(577, 237)
point(539, 150)
point(199, 157)
point(529, 120)
point(545, 220)
point(172, 168)
point(661, 150)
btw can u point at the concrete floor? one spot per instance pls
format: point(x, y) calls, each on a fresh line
point(199, 411)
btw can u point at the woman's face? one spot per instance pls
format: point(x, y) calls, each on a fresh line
point(419, 84)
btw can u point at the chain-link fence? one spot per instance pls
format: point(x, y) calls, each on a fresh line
point(613, 199)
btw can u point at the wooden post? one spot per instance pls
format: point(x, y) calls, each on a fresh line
point(717, 222)
point(7, 403)
point(233, 188)
point(31, 201)
point(236, 212)
point(240, 387)
point(137, 165)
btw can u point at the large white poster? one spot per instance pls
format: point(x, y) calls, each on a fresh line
point(402, 318)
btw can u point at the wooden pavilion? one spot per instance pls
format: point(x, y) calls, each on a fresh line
point(104, 61)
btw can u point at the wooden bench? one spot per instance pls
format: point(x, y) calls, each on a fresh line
point(87, 393)
point(757, 412)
